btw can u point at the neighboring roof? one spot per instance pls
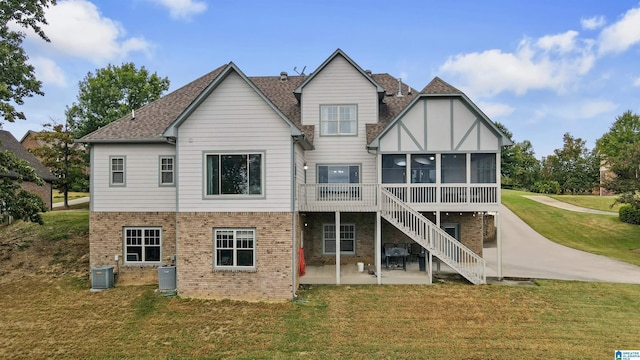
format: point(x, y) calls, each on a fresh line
point(31, 133)
point(152, 120)
point(10, 143)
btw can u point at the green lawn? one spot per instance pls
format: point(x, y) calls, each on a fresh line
point(59, 197)
point(590, 201)
point(555, 320)
point(599, 234)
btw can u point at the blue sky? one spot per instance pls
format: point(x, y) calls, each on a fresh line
point(542, 68)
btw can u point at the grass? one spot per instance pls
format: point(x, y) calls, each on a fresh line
point(553, 320)
point(48, 312)
point(598, 234)
point(59, 197)
point(603, 203)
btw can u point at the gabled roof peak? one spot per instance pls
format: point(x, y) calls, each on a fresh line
point(439, 86)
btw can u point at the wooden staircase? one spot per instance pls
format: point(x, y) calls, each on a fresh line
point(435, 240)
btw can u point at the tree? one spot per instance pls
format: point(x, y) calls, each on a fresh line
point(112, 93)
point(17, 81)
point(519, 166)
point(17, 77)
point(620, 152)
point(574, 167)
point(15, 201)
point(63, 157)
point(526, 168)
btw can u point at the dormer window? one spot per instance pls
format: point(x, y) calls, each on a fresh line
point(338, 120)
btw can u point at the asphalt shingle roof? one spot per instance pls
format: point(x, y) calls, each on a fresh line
point(151, 120)
point(10, 143)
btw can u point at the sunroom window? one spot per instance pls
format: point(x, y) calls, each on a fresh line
point(483, 168)
point(454, 168)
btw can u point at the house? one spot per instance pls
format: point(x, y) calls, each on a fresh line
point(9, 143)
point(230, 176)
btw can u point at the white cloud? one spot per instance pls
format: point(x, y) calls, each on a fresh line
point(593, 23)
point(562, 43)
point(76, 28)
point(495, 110)
point(183, 9)
point(621, 35)
point(591, 108)
point(48, 71)
point(552, 62)
point(636, 82)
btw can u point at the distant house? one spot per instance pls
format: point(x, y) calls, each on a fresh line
point(10, 143)
point(235, 177)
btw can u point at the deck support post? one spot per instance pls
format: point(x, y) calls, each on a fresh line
point(338, 250)
point(378, 249)
point(499, 244)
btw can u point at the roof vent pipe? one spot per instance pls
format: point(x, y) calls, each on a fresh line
point(284, 76)
point(133, 114)
point(399, 87)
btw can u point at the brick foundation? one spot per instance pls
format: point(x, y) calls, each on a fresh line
point(105, 233)
point(272, 278)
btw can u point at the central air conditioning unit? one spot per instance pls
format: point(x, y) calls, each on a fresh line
point(102, 278)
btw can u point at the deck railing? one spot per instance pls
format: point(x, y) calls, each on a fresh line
point(363, 197)
point(431, 237)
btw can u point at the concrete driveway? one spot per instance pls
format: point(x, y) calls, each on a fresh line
point(527, 254)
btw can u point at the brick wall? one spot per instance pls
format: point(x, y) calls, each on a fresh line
point(470, 228)
point(106, 241)
point(44, 191)
point(365, 238)
point(272, 278)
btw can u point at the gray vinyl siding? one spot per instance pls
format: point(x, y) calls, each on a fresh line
point(234, 118)
point(340, 83)
point(141, 191)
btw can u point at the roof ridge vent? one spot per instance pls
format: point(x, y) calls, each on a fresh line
point(284, 76)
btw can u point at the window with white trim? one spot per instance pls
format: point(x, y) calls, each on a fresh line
point(142, 245)
point(347, 239)
point(338, 120)
point(167, 170)
point(234, 174)
point(234, 249)
point(116, 170)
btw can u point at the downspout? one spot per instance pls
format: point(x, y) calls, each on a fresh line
point(176, 180)
point(293, 219)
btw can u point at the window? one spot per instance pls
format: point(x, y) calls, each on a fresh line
point(423, 168)
point(234, 248)
point(347, 239)
point(394, 169)
point(454, 168)
point(234, 174)
point(338, 174)
point(338, 120)
point(117, 171)
point(483, 168)
point(166, 170)
point(142, 244)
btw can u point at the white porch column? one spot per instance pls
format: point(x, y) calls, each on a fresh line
point(378, 249)
point(499, 244)
point(337, 247)
point(439, 227)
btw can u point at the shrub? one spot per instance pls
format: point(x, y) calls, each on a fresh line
point(546, 187)
point(630, 214)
